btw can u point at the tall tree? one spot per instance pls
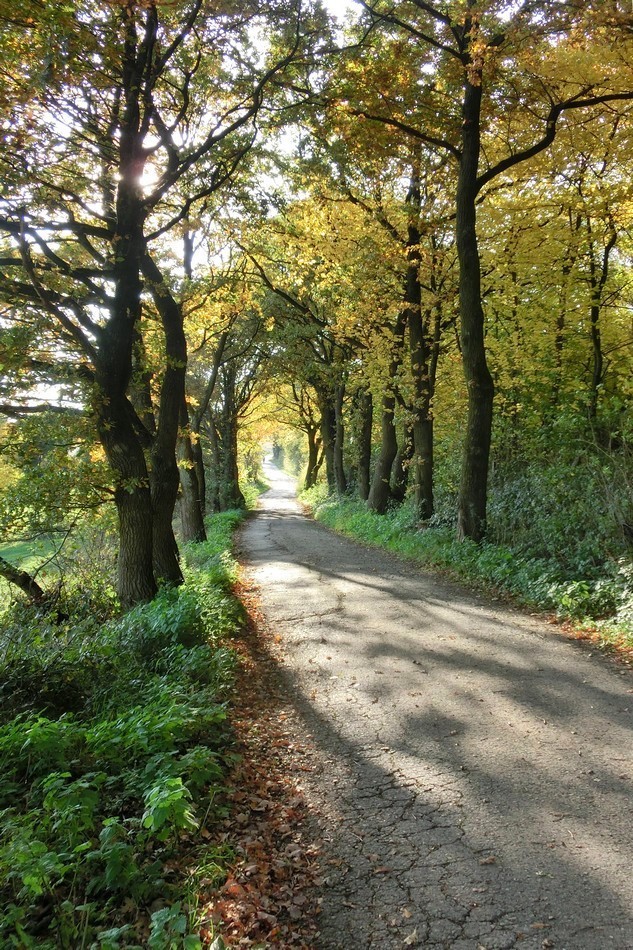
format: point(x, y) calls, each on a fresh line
point(109, 151)
point(495, 88)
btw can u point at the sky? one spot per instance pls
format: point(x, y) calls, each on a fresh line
point(339, 8)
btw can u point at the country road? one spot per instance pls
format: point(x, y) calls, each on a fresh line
point(474, 768)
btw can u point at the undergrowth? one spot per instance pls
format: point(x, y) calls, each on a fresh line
point(113, 747)
point(599, 595)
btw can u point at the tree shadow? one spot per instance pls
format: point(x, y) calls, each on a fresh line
point(474, 771)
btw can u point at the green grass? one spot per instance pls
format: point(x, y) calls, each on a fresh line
point(114, 745)
point(599, 598)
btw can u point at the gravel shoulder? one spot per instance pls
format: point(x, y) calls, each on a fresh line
point(473, 771)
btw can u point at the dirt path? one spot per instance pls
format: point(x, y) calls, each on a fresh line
point(475, 770)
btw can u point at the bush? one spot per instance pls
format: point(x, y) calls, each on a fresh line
point(113, 742)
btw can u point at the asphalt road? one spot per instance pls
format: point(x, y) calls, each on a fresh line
point(474, 768)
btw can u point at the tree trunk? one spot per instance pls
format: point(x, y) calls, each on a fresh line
point(423, 464)
point(212, 493)
point(598, 278)
point(314, 444)
point(24, 581)
point(230, 493)
point(133, 501)
point(328, 435)
point(339, 440)
point(229, 488)
point(201, 475)
point(365, 425)
point(191, 501)
point(379, 493)
point(476, 457)
point(113, 365)
point(165, 477)
point(402, 466)
point(420, 353)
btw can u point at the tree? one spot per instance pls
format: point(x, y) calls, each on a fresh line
point(102, 163)
point(490, 106)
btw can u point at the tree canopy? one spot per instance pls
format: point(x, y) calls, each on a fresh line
point(211, 204)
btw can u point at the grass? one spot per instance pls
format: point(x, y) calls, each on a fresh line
point(600, 602)
point(114, 746)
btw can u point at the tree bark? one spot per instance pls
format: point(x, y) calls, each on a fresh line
point(133, 500)
point(22, 579)
point(328, 434)
point(364, 428)
point(164, 476)
point(476, 453)
point(314, 444)
point(339, 440)
point(420, 347)
point(402, 465)
point(379, 492)
point(598, 276)
point(191, 501)
point(229, 488)
point(212, 492)
point(230, 493)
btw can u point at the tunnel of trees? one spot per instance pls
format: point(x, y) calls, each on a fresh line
point(389, 244)
point(405, 239)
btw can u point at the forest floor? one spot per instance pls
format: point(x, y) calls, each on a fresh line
point(462, 773)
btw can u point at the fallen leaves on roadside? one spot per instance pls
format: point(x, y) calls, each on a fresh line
point(268, 898)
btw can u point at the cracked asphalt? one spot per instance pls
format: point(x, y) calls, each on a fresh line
point(472, 769)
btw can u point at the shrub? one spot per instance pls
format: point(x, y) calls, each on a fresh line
point(113, 744)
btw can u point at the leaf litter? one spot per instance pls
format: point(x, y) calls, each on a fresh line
point(269, 897)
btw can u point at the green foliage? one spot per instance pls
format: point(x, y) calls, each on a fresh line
point(576, 590)
point(113, 742)
point(315, 496)
point(169, 929)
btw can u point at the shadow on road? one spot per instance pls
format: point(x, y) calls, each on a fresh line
point(473, 771)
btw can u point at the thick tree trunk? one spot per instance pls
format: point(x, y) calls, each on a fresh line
point(191, 501)
point(423, 464)
point(312, 470)
point(133, 501)
point(230, 493)
point(379, 493)
point(475, 462)
point(165, 477)
point(328, 435)
point(164, 481)
point(113, 365)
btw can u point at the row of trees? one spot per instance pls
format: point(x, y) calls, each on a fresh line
point(448, 217)
point(125, 122)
